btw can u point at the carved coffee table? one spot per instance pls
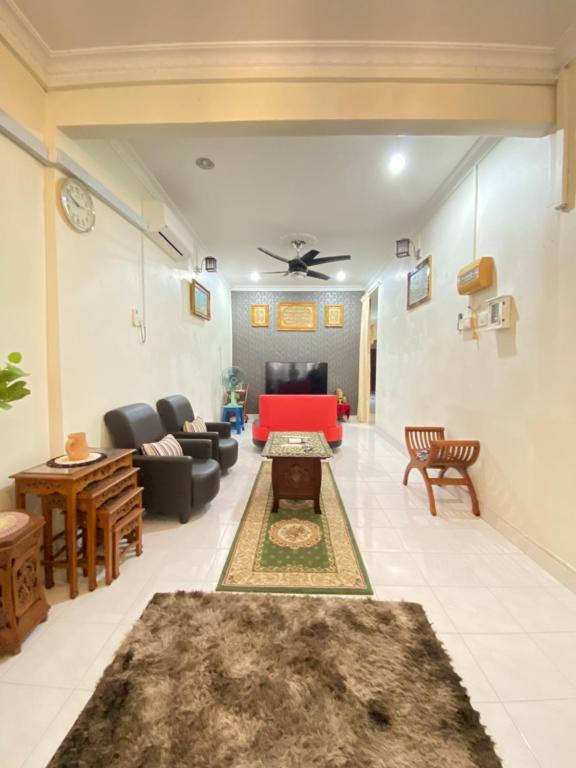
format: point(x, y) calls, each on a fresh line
point(296, 465)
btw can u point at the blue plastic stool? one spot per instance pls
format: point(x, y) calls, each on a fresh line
point(237, 409)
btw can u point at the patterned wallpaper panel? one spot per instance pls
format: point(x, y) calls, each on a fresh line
point(339, 347)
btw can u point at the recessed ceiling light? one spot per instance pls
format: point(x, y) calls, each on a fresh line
point(341, 276)
point(205, 163)
point(397, 163)
point(254, 276)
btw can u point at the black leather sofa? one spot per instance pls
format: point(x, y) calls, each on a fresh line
point(173, 485)
point(176, 409)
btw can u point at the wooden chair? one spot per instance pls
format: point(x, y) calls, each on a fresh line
point(429, 450)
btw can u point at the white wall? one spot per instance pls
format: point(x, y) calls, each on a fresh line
point(514, 390)
point(101, 361)
point(24, 429)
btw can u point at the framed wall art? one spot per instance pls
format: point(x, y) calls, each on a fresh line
point(296, 316)
point(419, 286)
point(199, 300)
point(260, 315)
point(334, 316)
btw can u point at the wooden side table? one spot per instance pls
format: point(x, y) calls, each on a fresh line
point(22, 601)
point(296, 465)
point(44, 480)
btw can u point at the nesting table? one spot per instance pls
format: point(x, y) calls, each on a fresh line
point(296, 465)
point(59, 485)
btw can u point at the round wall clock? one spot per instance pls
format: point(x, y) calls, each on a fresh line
point(77, 205)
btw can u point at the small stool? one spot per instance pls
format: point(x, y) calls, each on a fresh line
point(89, 502)
point(128, 529)
point(236, 409)
point(109, 519)
point(22, 601)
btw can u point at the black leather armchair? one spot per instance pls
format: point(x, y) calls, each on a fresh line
point(176, 409)
point(173, 485)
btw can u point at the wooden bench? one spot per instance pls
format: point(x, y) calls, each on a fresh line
point(429, 450)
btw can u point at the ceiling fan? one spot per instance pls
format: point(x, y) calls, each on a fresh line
point(300, 265)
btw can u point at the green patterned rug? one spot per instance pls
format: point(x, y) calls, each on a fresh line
point(295, 550)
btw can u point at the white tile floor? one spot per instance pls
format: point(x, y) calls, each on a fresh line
point(508, 626)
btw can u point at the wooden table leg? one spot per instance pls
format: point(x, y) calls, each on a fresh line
point(20, 497)
point(91, 546)
point(71, 542)
point(317, 484)
point(275, 484)
point(47, 533)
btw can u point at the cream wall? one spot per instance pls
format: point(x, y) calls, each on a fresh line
point(66, 300)
point(514, 389)
point(24, 429)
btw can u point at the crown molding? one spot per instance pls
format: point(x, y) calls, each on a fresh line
point(477, 152)
point(566, 47)
point(339, 59)
point(23, 39)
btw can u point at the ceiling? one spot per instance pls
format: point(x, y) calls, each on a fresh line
point(73, 24)
point(338, 188)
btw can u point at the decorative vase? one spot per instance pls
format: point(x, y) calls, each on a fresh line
point(76, 446)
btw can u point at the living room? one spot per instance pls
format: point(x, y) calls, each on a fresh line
point(219, 239)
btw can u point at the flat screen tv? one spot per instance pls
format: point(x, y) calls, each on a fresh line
point(296, 378)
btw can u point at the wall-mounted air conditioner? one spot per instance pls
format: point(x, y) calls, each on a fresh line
point(167, 231)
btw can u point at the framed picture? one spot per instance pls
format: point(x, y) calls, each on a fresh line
point(199, 300)
point(419, 288)
point(296, 316)
point(334, 316)
point(260, 315)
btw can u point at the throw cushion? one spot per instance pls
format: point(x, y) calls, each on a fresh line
point(198, 425)
point(168, 446)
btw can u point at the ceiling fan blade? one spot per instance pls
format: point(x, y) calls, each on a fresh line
point(309, 257)
point(274, 256)
point(329, 259)
point(319, 275)
point(276, 272)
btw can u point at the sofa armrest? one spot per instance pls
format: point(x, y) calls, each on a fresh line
point(167, 482)
point(202, 436)
point(222, 428)
point(196, 448)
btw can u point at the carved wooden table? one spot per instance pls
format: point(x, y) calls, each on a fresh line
point(65, 484)
point(296, 465)
point(22, 602)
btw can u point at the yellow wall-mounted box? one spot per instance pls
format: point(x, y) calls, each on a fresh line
point(476, 275)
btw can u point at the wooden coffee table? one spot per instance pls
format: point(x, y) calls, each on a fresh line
point(296, 465)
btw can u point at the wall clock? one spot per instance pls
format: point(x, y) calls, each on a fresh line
point(77, 205)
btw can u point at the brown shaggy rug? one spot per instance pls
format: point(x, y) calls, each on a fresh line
point(263, 681)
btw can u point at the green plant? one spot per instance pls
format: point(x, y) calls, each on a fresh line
point(12, 386)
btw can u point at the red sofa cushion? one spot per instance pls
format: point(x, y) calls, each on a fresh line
point(306, 413)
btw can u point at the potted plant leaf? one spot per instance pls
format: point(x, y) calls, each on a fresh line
point(12, 384)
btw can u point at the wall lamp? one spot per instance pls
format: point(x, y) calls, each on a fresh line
point(208, 264)
point(405, 248)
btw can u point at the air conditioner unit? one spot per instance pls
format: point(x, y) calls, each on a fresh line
point(165, 229)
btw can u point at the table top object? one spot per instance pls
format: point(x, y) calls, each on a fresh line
point(311, 445)
point(74, 472)
point(11, 522)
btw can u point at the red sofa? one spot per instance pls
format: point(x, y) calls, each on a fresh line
point(294, 413)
